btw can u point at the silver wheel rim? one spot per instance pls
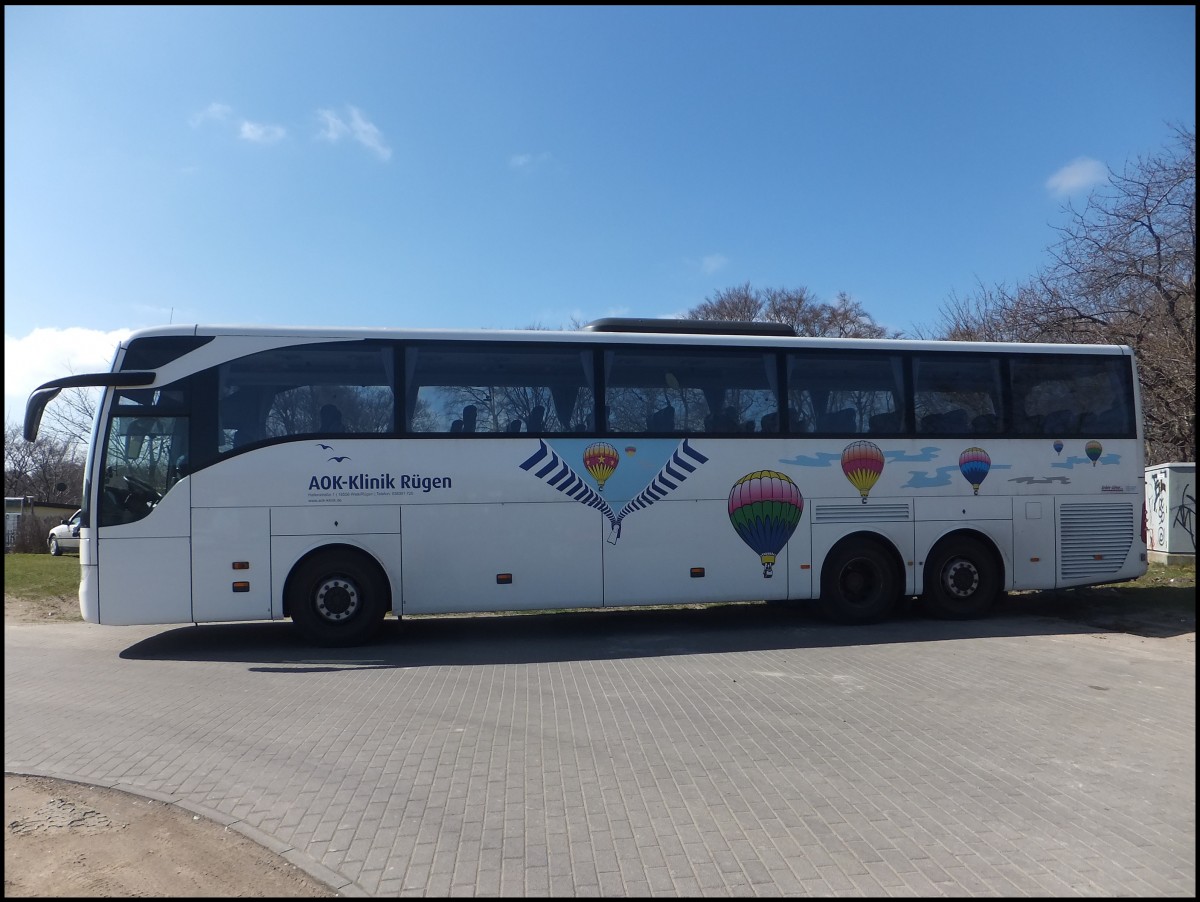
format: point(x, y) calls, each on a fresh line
point(961, 578)
point(337, 599)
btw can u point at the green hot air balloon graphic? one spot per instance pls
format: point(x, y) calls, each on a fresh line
point(764, 508)
point(1093, 450)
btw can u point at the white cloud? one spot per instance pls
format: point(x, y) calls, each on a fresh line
point(713, 262)
point(332, 126)
point(1080, 174)
point(215, 112)
point(46, 354)
point(255, 132)
point(527, 162)
point(361, 129)
point(259, 133)
point(366, 134)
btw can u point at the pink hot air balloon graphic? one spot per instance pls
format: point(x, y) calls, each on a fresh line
point(974, 464)
point(862, 462)
point(764, 508)
point(630, 450)
point(1058, 446)
point(1093, 450)
point(600, 459)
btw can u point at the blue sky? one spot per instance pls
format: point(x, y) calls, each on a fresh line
point(502, 167)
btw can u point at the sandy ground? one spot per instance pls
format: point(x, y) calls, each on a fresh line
point(71, 840)
point(68, 839)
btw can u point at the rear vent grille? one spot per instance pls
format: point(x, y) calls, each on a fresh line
point(861, 513)
point(1094, 539)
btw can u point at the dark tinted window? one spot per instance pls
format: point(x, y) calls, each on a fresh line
point(846, 393)
point(305, 389)
point(152, 352)
point(696, 391)
point(490, 388)
point(957, 394)
point(1072, 397)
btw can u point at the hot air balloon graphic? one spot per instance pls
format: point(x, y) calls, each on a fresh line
point(1093, 450)
point(630, 450)
point(764, 508)
point(974, 464)
point(1058, 446)
point(600, 459)
point(862, 462)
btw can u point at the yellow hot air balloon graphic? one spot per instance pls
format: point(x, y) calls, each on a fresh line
point(862, 462)
point(600, 459)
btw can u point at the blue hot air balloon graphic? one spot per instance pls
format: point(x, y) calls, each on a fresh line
point(1058, 446)
point(764, 508)
point(974, 464)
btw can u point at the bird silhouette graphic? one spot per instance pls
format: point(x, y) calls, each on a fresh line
point(339, 459)
point(324, 447)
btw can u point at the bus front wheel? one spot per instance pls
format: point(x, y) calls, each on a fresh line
point(859, 583)
point(962, 579)
point(337, 598)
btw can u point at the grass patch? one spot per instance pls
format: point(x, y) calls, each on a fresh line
point(41, 575)
point(1160, 603)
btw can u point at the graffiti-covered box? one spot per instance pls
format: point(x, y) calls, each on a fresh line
point(1171, 512)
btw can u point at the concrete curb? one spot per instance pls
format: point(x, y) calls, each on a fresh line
point(339, 883)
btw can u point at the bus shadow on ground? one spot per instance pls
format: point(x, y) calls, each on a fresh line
point(518, 638)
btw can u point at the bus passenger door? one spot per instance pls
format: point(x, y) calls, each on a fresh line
point(144, 567)
point(231, 564)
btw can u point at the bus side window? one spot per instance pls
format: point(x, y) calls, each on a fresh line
point(841, 421)
point(1059, 423)
point(662, 420)
point(885, 423)
point(985, 424)
point(536, 419)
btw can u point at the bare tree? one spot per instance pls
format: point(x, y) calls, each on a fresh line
point(36, 469)
point(797, 307)
point(1123, 271)
point(71, 414)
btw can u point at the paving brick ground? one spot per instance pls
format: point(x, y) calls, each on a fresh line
point(734, 751)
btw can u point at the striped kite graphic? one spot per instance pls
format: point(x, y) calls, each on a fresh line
point(556, 472)
point(679, 467)
point(548, 466)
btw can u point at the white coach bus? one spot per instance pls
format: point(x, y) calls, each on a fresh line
point(334, 475)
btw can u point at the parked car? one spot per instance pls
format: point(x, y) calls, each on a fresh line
point(65, 536)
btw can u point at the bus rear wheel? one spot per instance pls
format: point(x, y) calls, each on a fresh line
point(859, 583)
point(962, 579)
point(337, 598)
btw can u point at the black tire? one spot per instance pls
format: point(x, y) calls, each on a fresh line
point(859, 583)
point(337, 598)
point(962, 579)
point(55, 549)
